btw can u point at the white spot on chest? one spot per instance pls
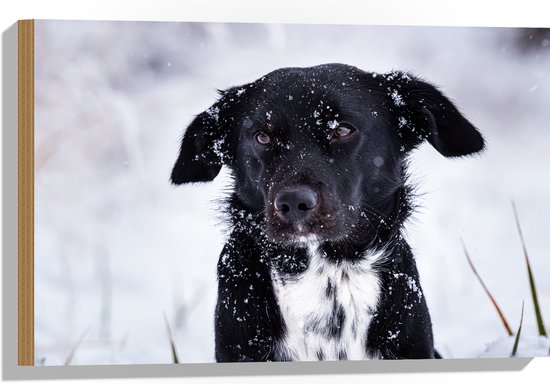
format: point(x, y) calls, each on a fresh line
point(327, 309)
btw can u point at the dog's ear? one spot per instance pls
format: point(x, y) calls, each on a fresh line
point(204, 146)
point(424, 112)
point(198, 159)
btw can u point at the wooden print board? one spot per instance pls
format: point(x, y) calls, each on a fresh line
point(131, 88)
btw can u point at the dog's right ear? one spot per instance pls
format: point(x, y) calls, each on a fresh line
point(201, 152)
point(205, 145)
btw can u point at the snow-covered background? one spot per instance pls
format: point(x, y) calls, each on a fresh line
point(118, 248)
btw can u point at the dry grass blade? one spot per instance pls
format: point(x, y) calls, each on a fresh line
point(175, 359)
point(71, 354)
point(540, 323)
point(516, 343)
point(501, 315)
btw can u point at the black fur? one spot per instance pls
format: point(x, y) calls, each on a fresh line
point(290, 131)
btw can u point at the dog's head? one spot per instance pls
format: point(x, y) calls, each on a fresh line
point(320, 151)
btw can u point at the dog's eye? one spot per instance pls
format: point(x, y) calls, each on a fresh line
point(342, 131)
point(263, 138)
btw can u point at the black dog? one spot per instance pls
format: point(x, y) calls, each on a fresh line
point(315, 266)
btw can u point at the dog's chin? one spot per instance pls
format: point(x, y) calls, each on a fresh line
point(296, 241)
point(301, 241)
point(299, 236)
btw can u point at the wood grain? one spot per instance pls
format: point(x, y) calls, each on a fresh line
point(25, 282)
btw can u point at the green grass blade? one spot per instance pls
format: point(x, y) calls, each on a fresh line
point(540, 323)
point(500, 314)
point(75, 347)
point(516, 343)
point(175, 359)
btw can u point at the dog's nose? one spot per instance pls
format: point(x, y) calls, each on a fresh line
point(295, 203)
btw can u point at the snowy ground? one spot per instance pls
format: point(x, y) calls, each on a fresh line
point(118, 248)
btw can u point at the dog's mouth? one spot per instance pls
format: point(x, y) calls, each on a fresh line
point(293, 233)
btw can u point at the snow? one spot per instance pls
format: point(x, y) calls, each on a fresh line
point(117, 246)
point(528, 346)
point(378, 161)
point(332, 124)
point(397, 98)
point(214, 113)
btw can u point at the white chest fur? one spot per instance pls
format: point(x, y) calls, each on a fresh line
point(327, 309)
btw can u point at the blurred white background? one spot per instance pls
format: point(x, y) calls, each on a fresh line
point(117, 247)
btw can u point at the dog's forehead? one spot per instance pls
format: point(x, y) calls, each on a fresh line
point(310, 82)
point(321, 72)
point(306, 93)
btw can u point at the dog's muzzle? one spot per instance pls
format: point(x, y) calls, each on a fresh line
point(295, 204)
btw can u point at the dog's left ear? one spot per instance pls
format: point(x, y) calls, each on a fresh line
point(424, 112)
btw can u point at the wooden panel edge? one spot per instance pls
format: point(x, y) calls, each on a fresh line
point(25, 281)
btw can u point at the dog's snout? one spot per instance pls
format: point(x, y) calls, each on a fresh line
point(294, 204)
